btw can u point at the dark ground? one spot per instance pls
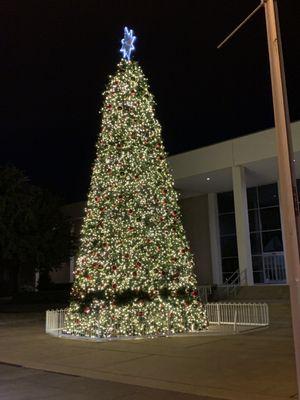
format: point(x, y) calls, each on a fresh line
point(19, 383)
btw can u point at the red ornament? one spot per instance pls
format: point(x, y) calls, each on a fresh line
point(109, 106)
point(114, 286)
point(89, 277)
point(134, 273)
point(130, 211)
point(174, 213)
point(163, 273)
point(140, 314)
point(114, 267)
point(97, 199)
point(86, 310)
point(195, 293)
point(126, 255)
point(138, 264)
point(131, 228)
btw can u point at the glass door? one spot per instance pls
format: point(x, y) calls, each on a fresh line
point(274, 268)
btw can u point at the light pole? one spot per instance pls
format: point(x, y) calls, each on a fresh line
point(287, 181)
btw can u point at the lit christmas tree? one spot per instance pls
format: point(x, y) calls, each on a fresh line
point(134, 274)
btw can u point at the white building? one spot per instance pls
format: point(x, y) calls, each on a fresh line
point(231, 208)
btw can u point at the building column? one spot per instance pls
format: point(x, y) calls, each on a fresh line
point(214, 233)
point(242, 225)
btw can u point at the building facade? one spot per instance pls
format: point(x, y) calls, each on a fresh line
point(231, 209)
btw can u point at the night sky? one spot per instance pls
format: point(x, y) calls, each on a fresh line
point(56, 56)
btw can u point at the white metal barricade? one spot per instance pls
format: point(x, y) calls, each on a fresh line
point(235, 314)
point(247, 314)
point(55, 321)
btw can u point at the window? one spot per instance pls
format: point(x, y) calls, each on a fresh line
point(229, 265)
point(227, 224)
point(254, 224)
point(298, 189)
point(270, 218)
point(272, 241)
point(255, 239)
point(225, 202)
point(252, 198)
point(264, 226)
point(258, 271)
point(230, 261)
point(268, 195)
point(229, 246)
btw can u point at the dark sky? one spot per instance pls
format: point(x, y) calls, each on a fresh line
point(56, 56)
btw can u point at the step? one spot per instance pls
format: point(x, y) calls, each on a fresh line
point(254, 293)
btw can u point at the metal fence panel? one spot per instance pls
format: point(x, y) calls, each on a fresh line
point(55, 321)
point(236, 314)
point(252, 314)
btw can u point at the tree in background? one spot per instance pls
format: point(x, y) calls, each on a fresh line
point(34, 234)
point(134, 273)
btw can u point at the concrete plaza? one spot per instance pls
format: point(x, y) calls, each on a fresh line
point(257, 365)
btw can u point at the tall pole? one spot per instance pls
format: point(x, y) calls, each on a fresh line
point(287, 181)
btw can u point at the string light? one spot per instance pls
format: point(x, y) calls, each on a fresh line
point(134, 273)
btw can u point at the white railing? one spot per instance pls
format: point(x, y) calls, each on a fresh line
point(235, 314)
point(55, 321)
point(233, 283)
point(204, 292)
point(247, 314)
point(274, 269)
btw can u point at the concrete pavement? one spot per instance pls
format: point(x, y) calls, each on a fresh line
point(258, 365)
point(19, 383)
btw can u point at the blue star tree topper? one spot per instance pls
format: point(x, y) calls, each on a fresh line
point(127, 43)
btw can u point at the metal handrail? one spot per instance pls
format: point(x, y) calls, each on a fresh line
point(204, 292)
point(233, 282)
